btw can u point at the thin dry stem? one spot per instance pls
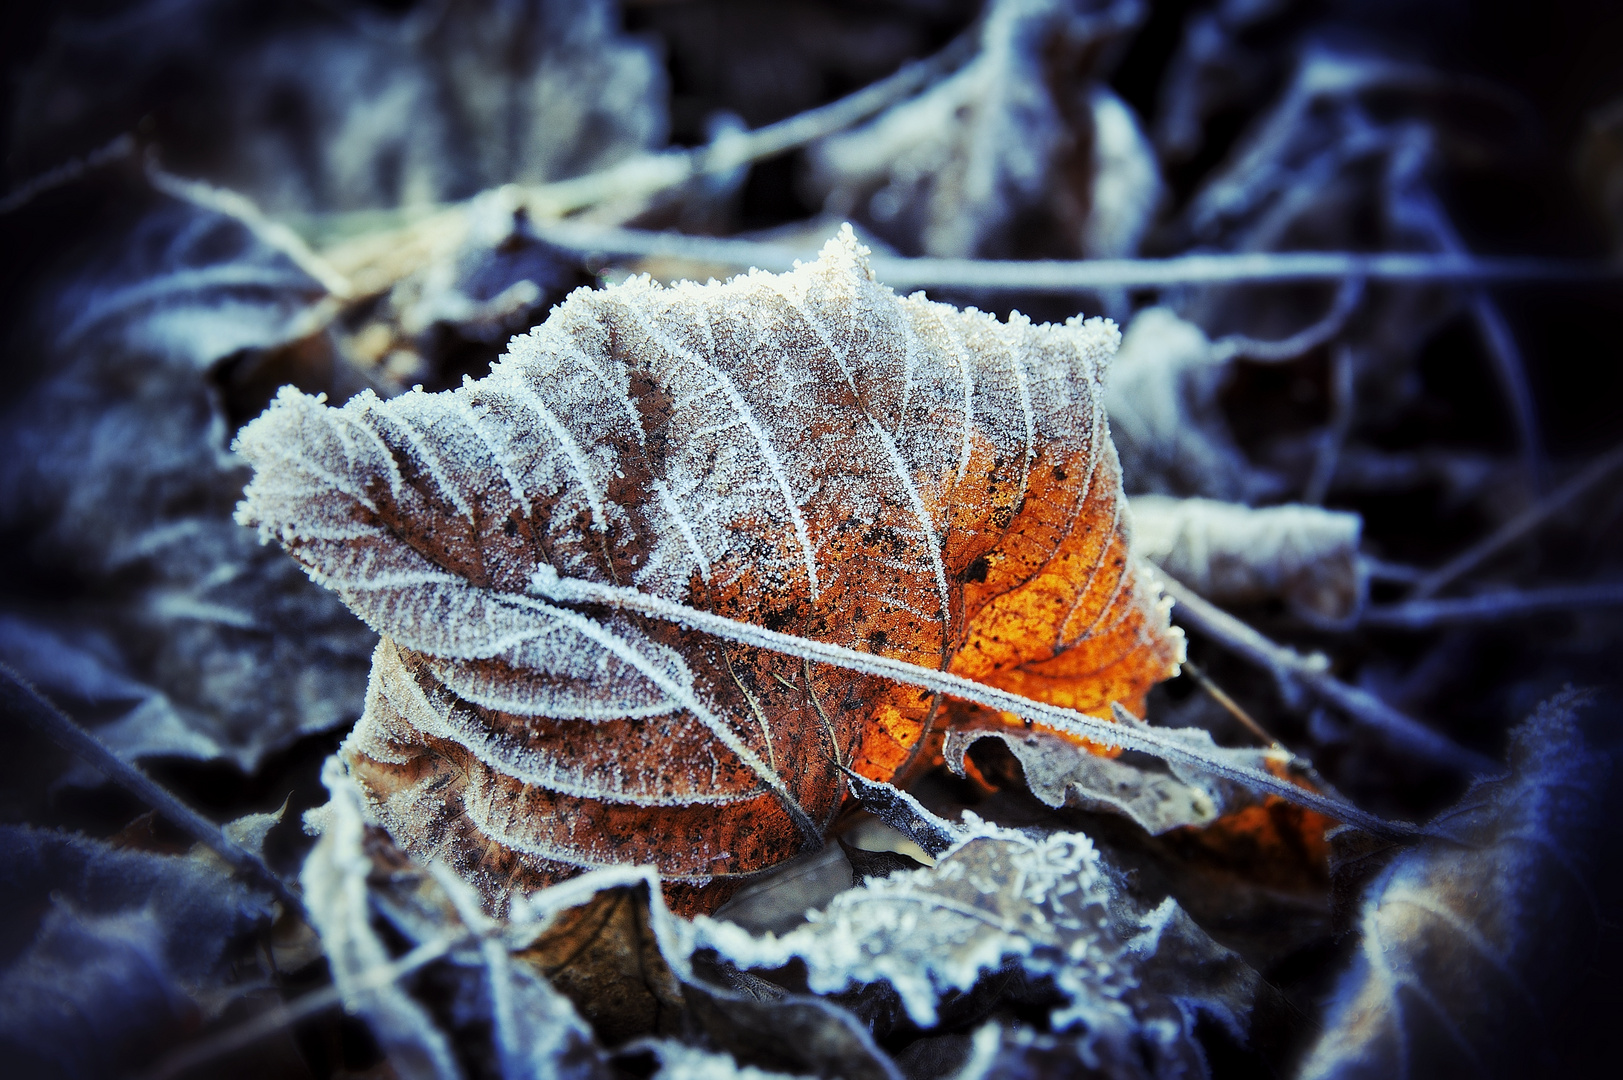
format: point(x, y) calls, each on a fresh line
point(1523, 525)
point(1290, 667)
point(272, 233)
point(1136, 736)
point(1494, 606)
point(1303, 341)
point(1232, 707)
point(1091, 275)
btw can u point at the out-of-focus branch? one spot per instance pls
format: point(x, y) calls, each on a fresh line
point(649, 174)
point(1304, 340)
point(992, 275)
point(1290, 667)
point(272, 233)
point(314, 1003)
point(1343, 408)
point(1522, 525)
point(66, 173)
point(1494, 606)
point(374, 258)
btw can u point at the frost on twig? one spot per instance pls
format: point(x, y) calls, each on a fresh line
point(1495, 606)
point(1289, 668)
point(1233, 554)
point(1522, 525)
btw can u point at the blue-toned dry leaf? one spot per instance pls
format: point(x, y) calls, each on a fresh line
point(129, 946)
point(1022, 153)
point(327, 107)
point(1453, 934)
point(182, 636)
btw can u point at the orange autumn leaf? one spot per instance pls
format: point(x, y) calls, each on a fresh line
point(805, 452)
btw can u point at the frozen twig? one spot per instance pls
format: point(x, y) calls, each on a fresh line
point(374, 259)
point(1511, 370)
point(1290, 667)
point(1494, 606)
point(272, 233)
point(1395, 573)
point(1426, 213)
point(1520, 526)
point(993, 275)
point(1304, 340)
point(66, 173)
point(1132, 736)
point(19, 698)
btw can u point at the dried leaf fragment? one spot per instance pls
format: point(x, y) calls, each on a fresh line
point(1046, 907)
point(805, 452)
point(1230, 553)
point(1022, 150)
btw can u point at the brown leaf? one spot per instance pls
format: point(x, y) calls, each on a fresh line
point(808, 453)
point(603, 957)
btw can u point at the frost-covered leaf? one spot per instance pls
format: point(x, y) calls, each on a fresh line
point(1455, 932)
point(250, 830)
point(110, 953)
point(182, 636)
point(1045, 908)
point(1023, 152)
point(1060, 773)
point(1233, 554)
point(679, 1062)
point(1164, 415)
point(341, 107)
point(1231, 821)
point(921, 956)
point(603, 943)
point(334, 880)
point(808, 453)
point(906, 815)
